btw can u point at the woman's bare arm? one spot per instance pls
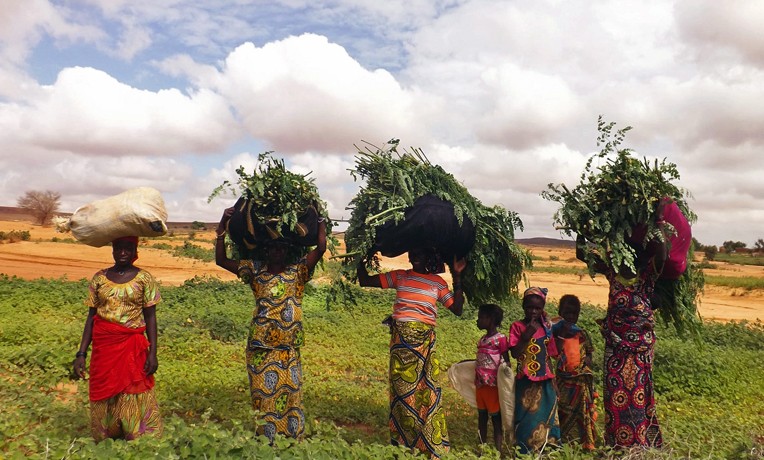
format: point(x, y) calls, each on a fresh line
point(317, 253)
point(366, 280)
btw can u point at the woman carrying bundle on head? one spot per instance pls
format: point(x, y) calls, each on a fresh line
point(275, 336)
point(416, 417)
point(628, 329)
point(122, 327)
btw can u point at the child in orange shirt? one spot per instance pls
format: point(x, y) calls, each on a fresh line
point(574, 376)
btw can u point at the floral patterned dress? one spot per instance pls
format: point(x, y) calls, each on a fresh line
point(273, 348)
point(630, 418)
point(127, 407)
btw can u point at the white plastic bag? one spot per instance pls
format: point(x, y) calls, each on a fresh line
point(134, 212)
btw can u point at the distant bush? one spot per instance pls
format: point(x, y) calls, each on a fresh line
point(196, 225)
point(193, 251)
point(15, 235)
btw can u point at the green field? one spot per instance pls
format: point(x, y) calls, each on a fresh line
point(710, 397)
point(740, 259)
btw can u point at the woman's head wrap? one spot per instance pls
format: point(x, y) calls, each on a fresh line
point(539, 291)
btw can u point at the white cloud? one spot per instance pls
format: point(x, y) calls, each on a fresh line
point(89, 112)
point(304, 93)
point(504, 95)
point(722, 31)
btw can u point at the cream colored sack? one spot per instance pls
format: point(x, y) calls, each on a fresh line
point(506, 383)
point(462, 377)
point(135, 212)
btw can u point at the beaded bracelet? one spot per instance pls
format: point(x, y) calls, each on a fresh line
point(81, 354)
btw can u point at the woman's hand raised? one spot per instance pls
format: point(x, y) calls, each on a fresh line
point(459, 265)
point(222, 226)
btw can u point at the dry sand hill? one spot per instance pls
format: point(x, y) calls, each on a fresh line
point(43, 258)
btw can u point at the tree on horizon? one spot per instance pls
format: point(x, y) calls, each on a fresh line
point(42, 205)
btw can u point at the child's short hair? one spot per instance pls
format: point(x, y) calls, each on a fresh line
point(570, 301)
point(492, 310)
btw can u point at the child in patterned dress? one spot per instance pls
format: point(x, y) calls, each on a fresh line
point(574, 376)
point(531, 343)
point(491, 349)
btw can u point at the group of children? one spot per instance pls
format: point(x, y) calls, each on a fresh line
point(553, 403)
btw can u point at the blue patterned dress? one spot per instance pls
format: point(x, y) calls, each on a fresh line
point(273, 348)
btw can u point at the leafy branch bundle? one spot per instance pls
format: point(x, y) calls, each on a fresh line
point(394, 181)
point(616, 198)
point(276, 200)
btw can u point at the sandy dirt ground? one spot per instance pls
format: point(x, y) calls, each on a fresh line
point(42, 258)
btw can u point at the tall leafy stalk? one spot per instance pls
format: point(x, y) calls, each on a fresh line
point(617, 194)
point(393, 180)
point(280, 196)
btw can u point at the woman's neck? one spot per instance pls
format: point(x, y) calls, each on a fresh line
point(275, 268)
point(122, 269)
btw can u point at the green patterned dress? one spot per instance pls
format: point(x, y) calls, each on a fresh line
point(273, 348)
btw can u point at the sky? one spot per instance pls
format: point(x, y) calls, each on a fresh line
point(98, 96)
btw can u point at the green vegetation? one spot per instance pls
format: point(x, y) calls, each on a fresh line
point(710, 401)
point(617, 196)
point(15, 235)
point(742, 282)
point(276, 199)
point(740, 259)
point(193, 251)
point(393, 181)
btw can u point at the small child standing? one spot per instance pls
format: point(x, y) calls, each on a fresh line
point(531, 343)
point(491, 349)
point(574, 376)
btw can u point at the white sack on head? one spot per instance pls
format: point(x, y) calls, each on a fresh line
point(135, 212)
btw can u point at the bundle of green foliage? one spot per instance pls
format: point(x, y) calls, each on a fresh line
point(276, 199)
point(615, 198)
point(394, 181)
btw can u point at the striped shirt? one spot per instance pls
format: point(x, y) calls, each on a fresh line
point(416, 295)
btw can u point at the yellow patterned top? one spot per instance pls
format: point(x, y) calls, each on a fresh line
point(277, 318)
point(123, 303)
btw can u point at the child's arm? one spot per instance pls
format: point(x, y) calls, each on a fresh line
point(524, 338)
point(588, 350)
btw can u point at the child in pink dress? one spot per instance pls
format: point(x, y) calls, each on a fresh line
point(491, 349)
